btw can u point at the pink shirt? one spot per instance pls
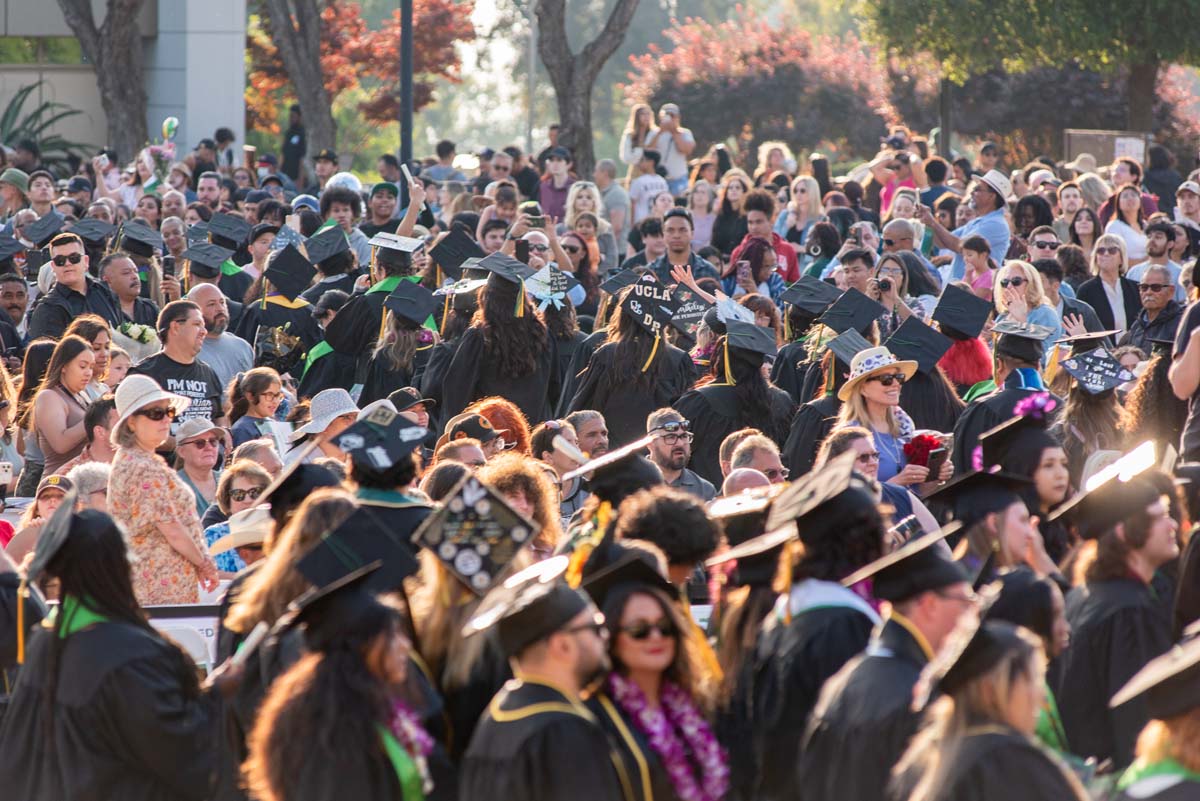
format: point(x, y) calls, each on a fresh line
point(888, 192)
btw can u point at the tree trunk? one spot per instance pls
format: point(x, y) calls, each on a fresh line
point(115, 51)
point(1141, 90)
point(295, 27)
point(574, 74)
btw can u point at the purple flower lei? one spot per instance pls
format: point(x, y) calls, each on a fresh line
point(407, 729)
point(676, 713)
point(1039, 406)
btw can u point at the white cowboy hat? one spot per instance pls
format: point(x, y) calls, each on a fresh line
point(998, 181)
point(325, 407)
point(247, 527)
point(871, 361)
point(139, 391)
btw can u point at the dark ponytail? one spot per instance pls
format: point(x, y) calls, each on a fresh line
point(250, 383)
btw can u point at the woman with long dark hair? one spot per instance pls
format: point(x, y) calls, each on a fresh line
point(61, 402)
point(1128, 222)
point(507, 351)
point(403, 351)
point(584, 271)
point(729, 227)
point(761, 277)
point(631, 375)
point(33, 370)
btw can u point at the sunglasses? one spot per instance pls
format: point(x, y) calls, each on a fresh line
point(539, 248)
point(1108, 251)
point(158, 413)
point(572, 249)
point(1047, 245)
point(73, 258)
point(674, 426)
point(595, 626)
point(642, 630)
point(239, 495)
point(888, 378)
point(1007, 282)
point(1153, 287)
point(207, 442)
point(867, 458)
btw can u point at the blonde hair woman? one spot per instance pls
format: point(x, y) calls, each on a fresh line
point(638, 129)
point(774, 156)
point(1094, 190)
point(1115, 298)
point(804, 209)
point(1021, 297)
point(584, 197)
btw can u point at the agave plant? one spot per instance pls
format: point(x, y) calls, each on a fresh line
point(16, 125)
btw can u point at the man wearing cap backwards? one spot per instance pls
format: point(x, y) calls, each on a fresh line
point(536, 741)
point(864, 720)
point(74, 293)
point(989, 195)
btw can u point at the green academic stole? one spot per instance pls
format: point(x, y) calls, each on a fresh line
point(406, 770)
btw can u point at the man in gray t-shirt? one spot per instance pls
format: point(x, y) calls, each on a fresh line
point(224, 352)
point(616, 201)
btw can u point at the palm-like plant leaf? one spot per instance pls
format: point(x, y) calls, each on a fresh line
point(16, 125)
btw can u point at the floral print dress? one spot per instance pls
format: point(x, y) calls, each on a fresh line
point(144, 492)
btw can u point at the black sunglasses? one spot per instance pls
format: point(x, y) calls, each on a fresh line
point(1152, 287)
point(1047, 245)
point(642, 630)
point(887, 379)
point(73, 258)
point(673, 427)
point(156, 414)
point(572, 249)
point(240, 495)
point(1007, 282)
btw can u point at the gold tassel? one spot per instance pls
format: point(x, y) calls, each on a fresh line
point(22, 595)
point(653, 351)
point(520, 310)
point(785, 572)
point(382, 324)
point(441, 279)
point(728, 372)
point(445, 313)
point(787, 327)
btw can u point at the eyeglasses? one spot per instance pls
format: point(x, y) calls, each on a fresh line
point(867, 458)
point(539, 248)
point(572, 249)
point(158, 413)
point(781, 473)
point(239, 495)
point(888, 378)
point(1153, 287)
point(671, 439)
point(73, 258)
point(274, 394)
point(642, 630)
point(1108, 251)
point(1051, 245)
point(207, 442)
point(1007, 282)
point(890, 242)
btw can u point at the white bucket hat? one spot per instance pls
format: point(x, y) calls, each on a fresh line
point(139, 391)
point(326, 406)
point(195, 427)
point(871, 361)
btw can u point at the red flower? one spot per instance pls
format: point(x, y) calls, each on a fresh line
point(918, 448)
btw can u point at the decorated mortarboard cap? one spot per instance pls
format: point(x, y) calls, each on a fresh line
point(197, 233)
point(1096, 371)
point(506, 267)
point(233, 230)
point(326, 244)
point(811, 294)
point(916, 341)
point(289, 272)
point(529, 606)
point(92, 230)
point(44, 228)
point(365, 537)
point(1170, 683)
point(628, 566)
point(475, 534)
point(454, 250)
point(649, 302)
point(205, 259)
point(742, 517)
point(847, 345)
point(808, 493)
point(379, 441)
point(411, 301)
point(852, 310)
point(961, 314)
point(465, 293)
point(754, 338)
point(549, 286)
point(53, 536)
point(690, 310)
point(1024, 341)
point(1089, 340)
point(920, 565)
point(618, 281)
point(138, 239)
point(9, 247)
point(334, 608)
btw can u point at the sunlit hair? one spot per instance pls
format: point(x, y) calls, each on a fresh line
point(1035, 291)
point(1110, 240)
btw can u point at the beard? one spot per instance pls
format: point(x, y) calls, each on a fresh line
point(591, 673)
point(217, 326)
point(677, 460)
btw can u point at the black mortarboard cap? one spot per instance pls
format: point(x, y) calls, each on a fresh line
point(1023, 341)
point(754, 338)
point(961, 314)
point(629, 566)
point(529, 606)
point(1019, 440)
point(465, 293)
point(233, 230)
point(690, 310)
point(852, 310)
point(618, 281)
point(506, 267)
point(44, 228)
point(920, 565)
point(973, 648)
point(380, 440)
point(475, 534)
point(649, 302)
point(916, 341)
point(289, 272)
point(811, 294)
point(743, 517)
point(976, 495)
point(92, 230)
point(1163, 345)
point(454, 249)
point(9, 247)
point(411, 301)
point(1025, 599)
point(197, 233)
point(1096, 371)
point(205, 259)
point(326, 244)
point(847, 345)
point(53, 536)
point(365, 537)
point(334, 609)
point(1089, 341)
point(1096, 511)
point(1170, 683)
point(807, 493)
point(138, 239)
point(619, 473)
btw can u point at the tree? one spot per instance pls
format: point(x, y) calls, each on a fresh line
point(574, 74)
point(115, 51)
point(971, 37)
point(295, 29)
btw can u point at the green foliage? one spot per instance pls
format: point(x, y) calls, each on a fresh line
point(36, 124)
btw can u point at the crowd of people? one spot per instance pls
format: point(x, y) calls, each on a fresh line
point(678, 481)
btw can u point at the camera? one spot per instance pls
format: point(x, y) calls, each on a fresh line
point(885, 285)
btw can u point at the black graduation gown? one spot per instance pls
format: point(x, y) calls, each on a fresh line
point(535, 744)
point(811, 380)
point(466, 703)
point(789, 369)
point(382, 380)
point(583, 353)
point(343, 282)
point(566, 352)
point(863, 721)
point(1117, 626)
point(996, 763)
point(649, 779)
point(432, 379)
point(1180, 790)
point(327, 368)
point(472, 375)
point(122, 726)
point(233, 286)
point(713, 413)
point(9, 586)
point(812, 423)
point(625, 406)
point(298, 321)
point(356, 327)
point(930, 402)
point(984, 414)
point(777, 690)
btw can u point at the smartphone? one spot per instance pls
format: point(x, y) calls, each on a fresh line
point(34, 259)
point(537, 222)
point(937, 458)
point(168, 263)
point(102, 161)
point(522, 251)
point(743, 270)
point(6, 474)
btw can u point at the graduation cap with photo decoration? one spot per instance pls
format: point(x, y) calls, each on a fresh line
point(326, 244)
point(961, 314)
point(549, 286)
point(1023, 341)
point(809, 492)
point(847, 345)
point(454, 250)
point(44, 228)
point(378, 442)
point(628, 566)
point(916, 341)
point(205, 259)
point(412, 302)
point(197, 233)
point(529, 606)
point(919, 565)
point(230, 229)
point(690, 309)
point(1170, 682)
point(463, 294)
point(650, 304)
point(1096, 371)
point(750, 337)
point(974, 496)
point(811, 294)
point(332, 608)
point(92, 230)
point(287, 235)
point(365, 537)
point(289, 272)
point(852, 310)
point(618, 281)
point(475, 534)
point(138, 239)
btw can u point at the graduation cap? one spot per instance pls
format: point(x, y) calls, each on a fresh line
point(1023, 341)
point(974, 647)
point(690, 309)
point(44, 228)
point(811, 294)
point(549, 286)
point(465, 293)
point(296, 482)
point(650, 304)
point(234, 230)
point(630, 566)
point(9, 247)
point(406, 245)
point(1162, 345)
point(1096, 371)
point(475, 534)
point(847, 345)
point(92, 230)
point(529, 606)
point(961, 314)
point(197, 233)
point(363, 538)
point(809, 492)
point(138, 239)
point(1170, 683)
point(333, 608)
point(917, 566)
point(411, 301)
point(618, 281)
point(754, 338)
point(607, 460)
point(506, 267)
point(852, 310)
point(1089, 340)
point(1019, 440)
point(379, 441)
point(326, 244)
point(205, 259)
point(290, 273)
point(453, 250)
point(1025, 600)
point(742, 517)
point(1096, 511)
point(916, 341)
point(976, 495)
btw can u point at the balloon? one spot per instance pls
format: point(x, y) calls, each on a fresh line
point(169, 127)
